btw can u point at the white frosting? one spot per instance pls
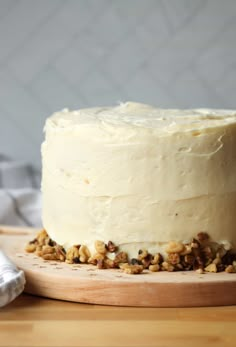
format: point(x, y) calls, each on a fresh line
point(139, 176)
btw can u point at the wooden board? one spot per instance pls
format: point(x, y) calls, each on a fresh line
point(87, 284)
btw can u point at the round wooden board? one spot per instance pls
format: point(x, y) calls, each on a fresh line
point(87, 284)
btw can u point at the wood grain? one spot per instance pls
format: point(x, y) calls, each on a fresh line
point(85, 283)
point(32, 321)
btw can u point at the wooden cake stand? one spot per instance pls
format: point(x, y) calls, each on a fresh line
point(87, 284)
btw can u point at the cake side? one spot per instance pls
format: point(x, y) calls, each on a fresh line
point(139, 176)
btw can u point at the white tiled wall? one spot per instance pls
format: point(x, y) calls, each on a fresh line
point(78, 53)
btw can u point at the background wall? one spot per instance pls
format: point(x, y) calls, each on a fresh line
point(78, 53)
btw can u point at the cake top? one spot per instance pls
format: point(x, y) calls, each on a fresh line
point(145, 116)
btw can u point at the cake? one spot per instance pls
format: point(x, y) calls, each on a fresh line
point(139, 176)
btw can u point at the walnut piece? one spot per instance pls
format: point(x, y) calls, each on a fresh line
point(211, 268)
point(95, 257)
point(111, 247)
point(121, 257)
point(157, 259)
point(174, 247)
point(72, 252)
point(84, 254)
point(133, 269)
point(100, 247)
point(30, 247)
point(154, 267)
point(230, 269)
point(173, 258)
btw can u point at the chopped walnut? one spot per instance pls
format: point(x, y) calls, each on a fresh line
point(60, 252)
point(187, 250)
point(147, 261)
point(101, 264)
point(121, 257)
point(157, 259)
point(111, 247)
point(109, 263)
point(202, 236)
point(195, 243)
point(42, 237)
point(165, 266)
point(84, 254)
point(49, 256)
point(154, 267)
point(230, 269)
point(48, 249)
point(94, 258)
point(133, 269)
point(30, 247)
point(175, 247)
point(135, 261)
point(217, 261)
point(173, 258)
point(189, 259)
point(72, 252)
point(211, 268)
point(142, 253)
point(100, 247)
point(208, 252)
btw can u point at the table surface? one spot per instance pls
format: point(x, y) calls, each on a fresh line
point(37, 322)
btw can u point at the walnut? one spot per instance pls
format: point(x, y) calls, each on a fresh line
point(142, 253)
point(229, 257)
point(72, 252)
point(187, 250)
point(30, 247)
point(217, 261)
point(101, 264)
point(211, 268)
point(154, 267)
point(208, 252)
point(121, 257)
point(200, 271)
point(157, 259)
point(174, 247)
point(61, 253)
point(173, 258)
point(109, 263)
point(221, 251)
point(195, 243)
point(135, 261)
point(133, 269)
point(48, 250)
point(165, 266)
point(42, 237)
point(189, 259)
point(111, 247)
point(100, 247)
point(202, 236)
point(230, 269)
point(147, 261)
point(49, 256)
point(84, 254)
point(95, 257)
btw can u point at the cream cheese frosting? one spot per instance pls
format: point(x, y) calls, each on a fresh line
point(139, 176)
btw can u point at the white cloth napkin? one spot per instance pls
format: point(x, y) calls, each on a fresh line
point(20, 204)
point(20, 194)
point(12, 280)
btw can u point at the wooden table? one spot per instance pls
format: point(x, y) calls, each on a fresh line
point(37, 322)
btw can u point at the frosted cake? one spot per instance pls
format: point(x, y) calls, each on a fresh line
point(140, 177)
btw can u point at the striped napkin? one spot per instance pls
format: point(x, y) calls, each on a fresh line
point(20, 205)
